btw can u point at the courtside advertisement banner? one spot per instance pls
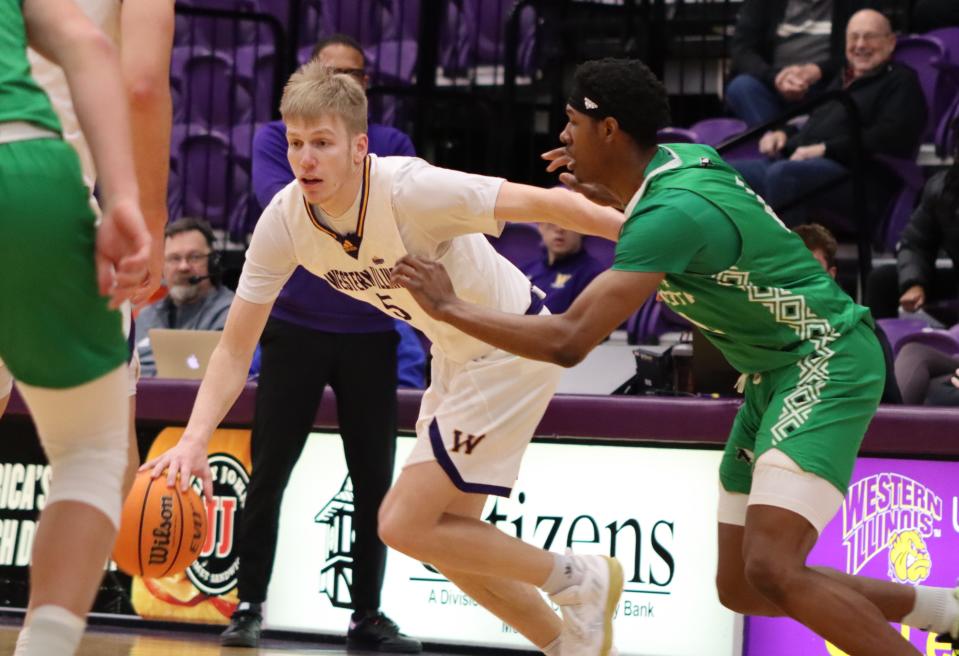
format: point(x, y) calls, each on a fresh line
point(654, 509)
point(899, 522)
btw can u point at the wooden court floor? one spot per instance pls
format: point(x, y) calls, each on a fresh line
point(111, 641)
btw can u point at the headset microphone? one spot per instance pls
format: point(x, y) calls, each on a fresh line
point(196, 280)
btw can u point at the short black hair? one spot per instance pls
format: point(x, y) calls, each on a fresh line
point(189, 224)
point(626, 90)
point(338, 40)
point(817, 237)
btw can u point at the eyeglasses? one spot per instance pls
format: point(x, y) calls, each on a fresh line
point(190, 258)
point(358, 73)
point(866, 37)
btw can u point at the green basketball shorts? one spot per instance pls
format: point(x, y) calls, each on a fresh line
point(815, 411)
point(55, 328)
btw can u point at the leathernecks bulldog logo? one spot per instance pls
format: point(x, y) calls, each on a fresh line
point(909, 560)
point(215, 570)
point(894, 512)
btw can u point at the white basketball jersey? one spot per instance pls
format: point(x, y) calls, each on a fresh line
point(406, 206)
point(106, 15)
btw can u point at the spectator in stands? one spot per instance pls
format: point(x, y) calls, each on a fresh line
point(783, 52)
point(196, 299)
point(915, 281)
point(821, 243)
point(317, 336)
point(927, 376)
point(823, 246)
point(933, 14)
point(564, 268)
point(803, 162)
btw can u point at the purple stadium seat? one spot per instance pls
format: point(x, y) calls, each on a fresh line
point(387, 30)
point(215, 186)
point(519, 243)
point(927, 56)
point(653, 320)
point(898, 329)
point(603, 250)
point(215, 92)
point(473, 33)
point(941, 340)
point(676, 135)
point(945, 135)
point(256, 66)
point(903, 201)
point(714, 131)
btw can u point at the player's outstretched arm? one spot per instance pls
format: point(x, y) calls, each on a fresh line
point(146, 38)
point(224, 380)
point(518, 202)
point(564, 339)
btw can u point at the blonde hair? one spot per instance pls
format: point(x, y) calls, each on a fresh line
point(315, 91)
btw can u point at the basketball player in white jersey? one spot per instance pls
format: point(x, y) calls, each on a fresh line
point(146, 26)
point(348, 217)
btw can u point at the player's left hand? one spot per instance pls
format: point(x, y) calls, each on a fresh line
point(154, 274)
point(122, 251)
point(427, 282)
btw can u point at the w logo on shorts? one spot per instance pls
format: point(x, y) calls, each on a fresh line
point(471, 441)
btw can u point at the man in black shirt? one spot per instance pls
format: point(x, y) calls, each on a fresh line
point(800, 162)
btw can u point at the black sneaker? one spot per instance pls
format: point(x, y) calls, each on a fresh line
point(379, 633)
point(244, 629)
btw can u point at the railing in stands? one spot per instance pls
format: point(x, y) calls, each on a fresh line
point(863, 225)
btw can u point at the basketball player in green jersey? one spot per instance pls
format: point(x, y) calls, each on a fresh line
point(60, 340)
point(812, 367)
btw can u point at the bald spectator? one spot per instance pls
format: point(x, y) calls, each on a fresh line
point(784, 52)
point(798, 163)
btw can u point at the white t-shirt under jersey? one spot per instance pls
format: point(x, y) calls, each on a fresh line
point(405, 205)
point(105, 14)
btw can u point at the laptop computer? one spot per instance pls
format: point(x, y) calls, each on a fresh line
point(183, 353)
point(712, 374)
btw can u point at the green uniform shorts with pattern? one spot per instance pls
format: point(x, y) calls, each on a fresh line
point(55, 328)
point(815, 411)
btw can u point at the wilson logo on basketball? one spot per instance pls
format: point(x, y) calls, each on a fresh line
point(215, 570)
point(160, 551)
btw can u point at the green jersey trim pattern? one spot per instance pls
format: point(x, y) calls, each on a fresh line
point(791, 310)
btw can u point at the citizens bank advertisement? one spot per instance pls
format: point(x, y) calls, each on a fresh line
point(899, 522)
point(654, 509)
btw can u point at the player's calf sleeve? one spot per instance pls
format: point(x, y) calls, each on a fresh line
point(83, 431)
point(50, 630)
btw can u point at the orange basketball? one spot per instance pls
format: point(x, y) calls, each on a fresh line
point(161, 528)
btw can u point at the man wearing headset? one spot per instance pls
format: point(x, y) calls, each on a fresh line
point(197, 300)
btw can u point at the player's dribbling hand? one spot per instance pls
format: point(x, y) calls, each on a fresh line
point(122, 251)
point(427, 282)
point(187, 458)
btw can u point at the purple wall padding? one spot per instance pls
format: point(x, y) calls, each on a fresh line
point(896, 430)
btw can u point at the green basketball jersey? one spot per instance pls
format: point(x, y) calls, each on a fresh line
point(20, 97)
point(773, 304)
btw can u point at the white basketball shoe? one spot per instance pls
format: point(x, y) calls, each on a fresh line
point(588, 607)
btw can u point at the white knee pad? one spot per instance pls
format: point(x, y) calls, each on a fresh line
point(6, 381)
point(84, 432)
